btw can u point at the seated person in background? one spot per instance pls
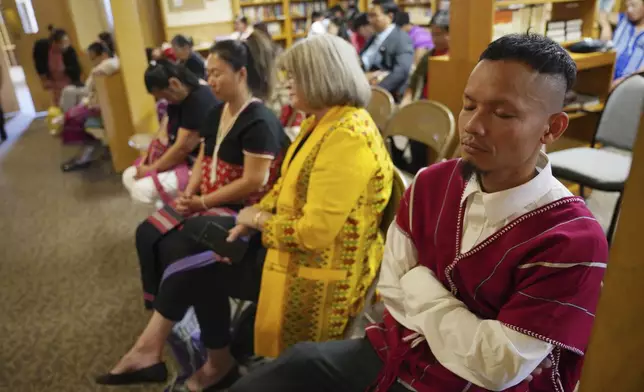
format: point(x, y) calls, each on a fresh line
point(238, 162)
point(362, 31)
point(483, 252)
point(628, 38)
point(318, 24)
point(388, 55)
point(73, 94)
point(188, 104)
point(75, 118)
point(418, 87)
point(323, 251)
point(410, 155)
point(165, 52)
point(420, 37)
point(242, 29)
point(337, 26)
point(187, 57)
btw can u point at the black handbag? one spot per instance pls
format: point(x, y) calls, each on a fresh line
point(213, 233)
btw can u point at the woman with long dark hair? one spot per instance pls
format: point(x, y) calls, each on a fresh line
point(164, 171)
point(238, 163)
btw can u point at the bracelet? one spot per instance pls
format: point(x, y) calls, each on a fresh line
point(256, 219)
point(203, 203)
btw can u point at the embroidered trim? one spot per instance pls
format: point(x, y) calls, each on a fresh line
point(498, 234)
point(440, 213)
point(545, 339)
point(555, 356)
point(592, 264)
point(411, 202)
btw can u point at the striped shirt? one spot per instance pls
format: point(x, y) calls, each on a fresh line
point(629, 44)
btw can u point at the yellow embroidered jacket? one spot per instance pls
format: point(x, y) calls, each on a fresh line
point(324, 243)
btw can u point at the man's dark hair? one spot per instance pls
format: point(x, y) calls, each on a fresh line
point(182, 41)
point(359, 20)
point(540, 53)
point(388, 7)
point(402, 19)
point(243, 20)
point(315, 15)
point(99, 48)
point(440, 20)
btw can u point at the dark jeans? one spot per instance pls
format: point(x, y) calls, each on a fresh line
point(206, 286)
point(335, 366)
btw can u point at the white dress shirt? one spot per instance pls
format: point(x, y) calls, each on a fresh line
point(483, 352)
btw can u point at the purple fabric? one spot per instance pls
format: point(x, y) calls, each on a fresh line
point(191, 262)
point(74, 124)
point(188, 349)
point(421, 38)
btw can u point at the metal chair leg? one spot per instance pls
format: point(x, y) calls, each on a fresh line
point(614, 218)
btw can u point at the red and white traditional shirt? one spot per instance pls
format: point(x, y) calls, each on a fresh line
point(480, 288)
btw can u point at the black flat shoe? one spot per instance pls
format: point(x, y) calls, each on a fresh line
point(152, 374)
point(74, 165)
point(229, 379)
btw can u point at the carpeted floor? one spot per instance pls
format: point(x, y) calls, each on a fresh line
point(70, 297)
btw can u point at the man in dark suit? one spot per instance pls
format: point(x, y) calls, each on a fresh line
point(388, 55)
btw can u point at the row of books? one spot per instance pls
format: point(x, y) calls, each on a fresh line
point(257, 14)
point(304, 9)
point(536, 19)
point(569, 30)
point(419, 15)
point(299, 26)
point(521, 20)
point(274, 28)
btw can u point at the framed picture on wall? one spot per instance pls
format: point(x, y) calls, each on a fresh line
point(186, 5)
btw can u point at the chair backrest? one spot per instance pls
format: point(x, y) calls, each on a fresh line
point(428, 122)
point(620, 119)
point(381, 106)
point(397, 191)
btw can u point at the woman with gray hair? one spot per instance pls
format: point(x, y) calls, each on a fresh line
point(320, 222)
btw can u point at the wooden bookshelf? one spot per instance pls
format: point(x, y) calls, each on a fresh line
point(509, 3)
point(420, 11)
point(472, 29)
point(292, 21)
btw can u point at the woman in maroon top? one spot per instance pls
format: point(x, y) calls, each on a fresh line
point(238, 162)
